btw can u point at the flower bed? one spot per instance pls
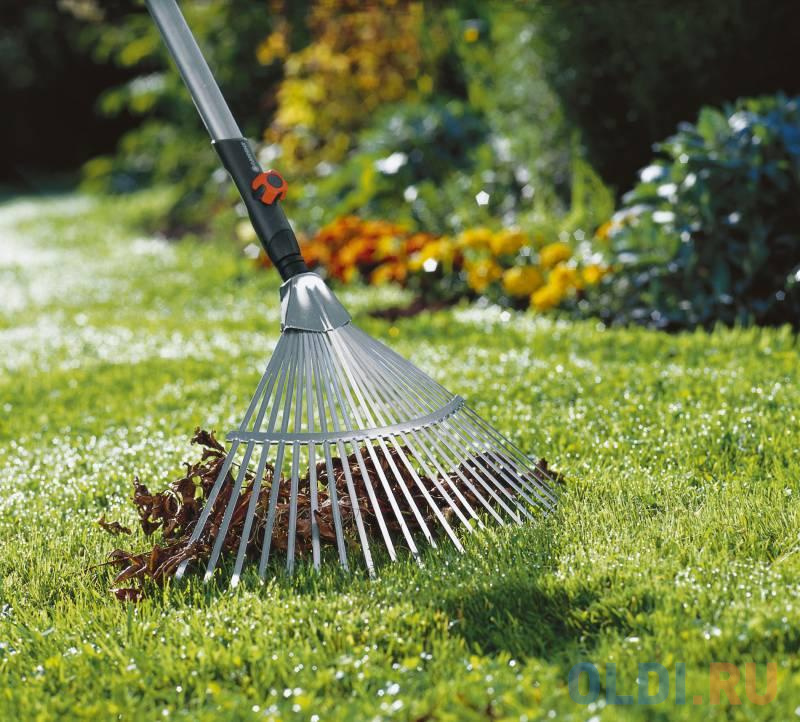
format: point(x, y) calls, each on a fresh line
point(508, 266)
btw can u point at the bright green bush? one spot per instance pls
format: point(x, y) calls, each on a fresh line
point(712, 231)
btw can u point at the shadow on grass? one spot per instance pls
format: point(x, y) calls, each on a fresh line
point(521, 618)
point(529, 617)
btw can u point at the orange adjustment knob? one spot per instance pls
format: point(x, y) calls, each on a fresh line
point(271, 185)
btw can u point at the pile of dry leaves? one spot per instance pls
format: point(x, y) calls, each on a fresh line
point(175, 511)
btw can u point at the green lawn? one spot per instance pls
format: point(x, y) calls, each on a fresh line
point(676, 541)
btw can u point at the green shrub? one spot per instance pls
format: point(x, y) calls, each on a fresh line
point(509, 139)
point(170, 145)
point(397, 167)
point(712, 231)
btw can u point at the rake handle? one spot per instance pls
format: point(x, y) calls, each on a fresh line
point(260, 191)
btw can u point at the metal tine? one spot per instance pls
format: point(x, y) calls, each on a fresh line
point(414, 447)
point(427, 394)
point(251, 507)
point(401, 399)
point(515, 480)
point(513, 458)
point(487, 468)
point(455, 458)
point(385, 351)
point(509, 472)
point(426, 494)
point(478, 472)
point(326, 450)
point(295, 481)
point(391, 382)
point(272, 365)
point(375, 410)
point(342, 364)
point(338, 385)
point(486, 457)
point(312, 462)
point(456, 462)
point(407, 442)
point(382, 421)
point(255, 493)
point(487, 447)
point(234, 497)
point(514, 450)
point(473, 464)
point(322, 357)
point(276, 482)
point(379, 397)
point(520, 474)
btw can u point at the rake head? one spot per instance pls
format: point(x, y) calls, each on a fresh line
point(346, 444)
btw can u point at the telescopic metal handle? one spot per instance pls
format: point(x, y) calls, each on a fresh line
point(260, 191)
point(193, 68)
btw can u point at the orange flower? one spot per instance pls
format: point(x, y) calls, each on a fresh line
point(416, 241)
point(316, 253)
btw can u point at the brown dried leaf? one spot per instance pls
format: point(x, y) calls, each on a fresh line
point(175, 511)
point(208, 440)
point(128, 594)
point(112, 527)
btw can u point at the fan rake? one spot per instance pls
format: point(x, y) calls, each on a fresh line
point(344, 443)
point(419, 458)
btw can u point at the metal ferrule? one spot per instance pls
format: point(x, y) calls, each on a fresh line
point(307, 304)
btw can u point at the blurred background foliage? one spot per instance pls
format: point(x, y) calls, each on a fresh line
point(712, 230)
point(465, 149)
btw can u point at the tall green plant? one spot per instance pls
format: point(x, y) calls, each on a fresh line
point(712, 231)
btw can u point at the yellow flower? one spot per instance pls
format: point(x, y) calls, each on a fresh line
point(548, 296)
point(388, 272)
point(439, 250)
point(604, 231)
point(475, 238)
point(387, 246)
point(507, 242)
point(553, 254)
point(564, 277)
point(471, 34)
point(273, 48)
point(592, 274)
point(481, 273)
point(522, 280)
